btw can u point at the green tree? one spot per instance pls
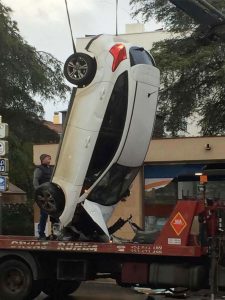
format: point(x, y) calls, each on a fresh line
point(27, 79)
point(192, 69)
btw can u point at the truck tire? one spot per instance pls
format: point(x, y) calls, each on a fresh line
point(15, 280)
point(59, 288)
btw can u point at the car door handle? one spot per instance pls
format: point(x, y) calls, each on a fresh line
point(87, 142)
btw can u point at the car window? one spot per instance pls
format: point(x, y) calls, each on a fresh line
point(110, 132)
point(139, 55)
point(114, 185)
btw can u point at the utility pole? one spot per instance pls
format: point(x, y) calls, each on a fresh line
point(116, 17)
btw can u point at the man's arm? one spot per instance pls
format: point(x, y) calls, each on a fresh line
point(36, 177)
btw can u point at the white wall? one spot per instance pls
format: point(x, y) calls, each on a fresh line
point(144, 39)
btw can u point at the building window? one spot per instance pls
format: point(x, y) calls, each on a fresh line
point(166, 184)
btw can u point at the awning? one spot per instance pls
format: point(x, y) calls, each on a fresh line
point(159, 176)
point(171, 171)
point(156, 183)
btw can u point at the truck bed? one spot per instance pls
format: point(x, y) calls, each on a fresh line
point(31, 243)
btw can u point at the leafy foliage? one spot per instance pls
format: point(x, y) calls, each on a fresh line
point(25, 76)
point(192, 70)
point(162, 11)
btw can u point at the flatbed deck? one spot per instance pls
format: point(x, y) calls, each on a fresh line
point(31, 243)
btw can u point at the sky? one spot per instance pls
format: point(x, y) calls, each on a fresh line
point(44, 25)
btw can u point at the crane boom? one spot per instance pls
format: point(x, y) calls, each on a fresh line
point(211, 20)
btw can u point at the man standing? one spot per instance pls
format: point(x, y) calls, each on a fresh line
point(42, 174)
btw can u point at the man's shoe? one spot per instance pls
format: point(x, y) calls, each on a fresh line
point(42, 237)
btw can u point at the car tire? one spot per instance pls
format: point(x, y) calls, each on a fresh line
point(15, 280)
point(50, 198)
point(80, 69)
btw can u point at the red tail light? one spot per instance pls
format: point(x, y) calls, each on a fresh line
point(118, 52)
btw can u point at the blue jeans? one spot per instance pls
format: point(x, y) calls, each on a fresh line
point(42, 223)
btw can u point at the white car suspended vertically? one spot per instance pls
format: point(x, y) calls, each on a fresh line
point(108, 129)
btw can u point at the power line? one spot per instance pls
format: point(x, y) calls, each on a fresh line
point(71, 32)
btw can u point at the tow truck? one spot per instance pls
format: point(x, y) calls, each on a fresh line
point(188, 252)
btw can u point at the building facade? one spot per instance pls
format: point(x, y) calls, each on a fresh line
point(170, 172)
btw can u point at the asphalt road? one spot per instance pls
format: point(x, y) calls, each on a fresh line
point(98, 290)
point(108, 290)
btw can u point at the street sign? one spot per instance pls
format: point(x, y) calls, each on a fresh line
point(4, 183)
point(4, 165)
point(4, 130)
point(3, 148)
point(178, 223)
point(203, 178)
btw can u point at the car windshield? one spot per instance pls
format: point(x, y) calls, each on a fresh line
point(114, 185)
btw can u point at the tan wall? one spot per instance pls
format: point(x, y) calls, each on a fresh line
point(164, 150)
point(50, 149)
point(132, 206)
point(36, 213)
point(144, 39)
point(160, 151)
point(9, 198)
point(186, 149)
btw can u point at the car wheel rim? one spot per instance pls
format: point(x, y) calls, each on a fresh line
point(77, 69)
point(46, 202)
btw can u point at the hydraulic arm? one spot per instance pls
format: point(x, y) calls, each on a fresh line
point(211, 20)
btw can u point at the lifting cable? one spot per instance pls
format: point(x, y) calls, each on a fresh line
point(71, 32)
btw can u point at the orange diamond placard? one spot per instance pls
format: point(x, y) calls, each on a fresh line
point(178, 223)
